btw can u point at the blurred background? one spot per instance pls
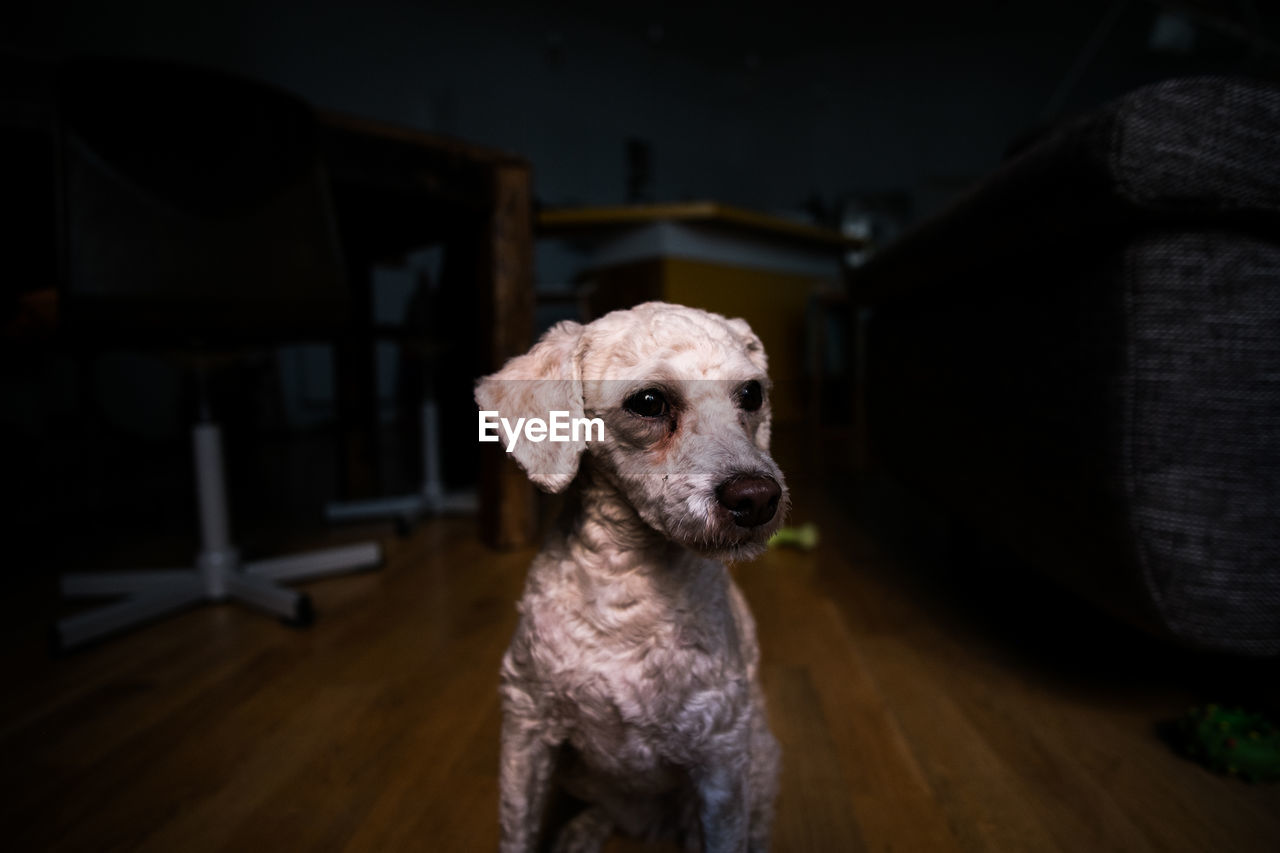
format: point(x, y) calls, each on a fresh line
point(455, 178)
point(862, 118)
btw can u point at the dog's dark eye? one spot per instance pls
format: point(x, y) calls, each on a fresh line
point(649, 403)
point(751, 396)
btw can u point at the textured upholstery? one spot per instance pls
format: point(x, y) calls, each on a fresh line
point(1201, 432)
point(1082, 358)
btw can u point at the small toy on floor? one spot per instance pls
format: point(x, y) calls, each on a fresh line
point(1236, 742)
point(804, 537)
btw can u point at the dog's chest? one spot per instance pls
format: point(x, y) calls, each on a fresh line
point(635, 719)
point(648, 695)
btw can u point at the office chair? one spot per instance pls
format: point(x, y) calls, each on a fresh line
point(425, 348)
point(194, 216)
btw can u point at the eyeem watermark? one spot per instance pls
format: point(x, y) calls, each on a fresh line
point(560, 427)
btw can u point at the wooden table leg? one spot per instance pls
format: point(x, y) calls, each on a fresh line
point(507, 517)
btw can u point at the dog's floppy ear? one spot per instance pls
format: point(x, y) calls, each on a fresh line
point(546, 379)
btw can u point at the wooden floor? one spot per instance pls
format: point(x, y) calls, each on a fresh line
point(920, 706)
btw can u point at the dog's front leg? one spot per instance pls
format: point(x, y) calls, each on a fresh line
point(524, 781)
point(722, 793)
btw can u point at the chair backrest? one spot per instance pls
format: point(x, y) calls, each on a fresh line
point(195, 209)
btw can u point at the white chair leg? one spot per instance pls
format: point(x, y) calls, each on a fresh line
point(94, 584)
point(315, 564)
point(404, 506)
point(142, 606)
point(288, 604)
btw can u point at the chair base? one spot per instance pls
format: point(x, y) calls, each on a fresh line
point(405, 510)
point(217, 576)
point(431, 499)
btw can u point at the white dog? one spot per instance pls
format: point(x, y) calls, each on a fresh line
point(631, 682)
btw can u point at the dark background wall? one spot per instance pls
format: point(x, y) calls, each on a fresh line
point(760, 104)
point(793, 107)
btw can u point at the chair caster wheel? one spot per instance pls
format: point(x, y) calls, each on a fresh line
point(304, 614)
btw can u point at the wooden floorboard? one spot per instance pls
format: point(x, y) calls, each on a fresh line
point(915, 713)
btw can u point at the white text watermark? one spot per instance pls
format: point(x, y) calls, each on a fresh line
point(559, 427)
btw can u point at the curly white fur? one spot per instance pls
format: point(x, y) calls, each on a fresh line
point(631, 681)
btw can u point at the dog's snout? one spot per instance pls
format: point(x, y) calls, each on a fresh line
point(752, 501)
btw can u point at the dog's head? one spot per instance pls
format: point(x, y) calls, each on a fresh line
point(671, 405)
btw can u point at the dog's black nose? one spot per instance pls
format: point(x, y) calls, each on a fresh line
point(752, 501)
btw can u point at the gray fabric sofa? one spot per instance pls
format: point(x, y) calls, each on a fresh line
point(1081, 359)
